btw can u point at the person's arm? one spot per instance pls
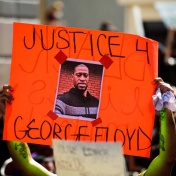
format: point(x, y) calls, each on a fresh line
point(162, 165)
point(23, 160)
point(20, 151)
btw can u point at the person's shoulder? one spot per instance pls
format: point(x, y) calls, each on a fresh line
point(93, 98)
point(61, 96)
point(96, 99)
point(64, 96)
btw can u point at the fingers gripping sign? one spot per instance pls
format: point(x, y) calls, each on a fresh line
point(164, 96)
point(164, 87)
point(5, 97)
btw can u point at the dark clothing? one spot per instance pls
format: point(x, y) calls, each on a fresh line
point(4, 154)
point(73, 103)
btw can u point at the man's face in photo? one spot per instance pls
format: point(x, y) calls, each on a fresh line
point(81, 77)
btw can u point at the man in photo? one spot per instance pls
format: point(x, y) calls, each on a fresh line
point(78, 101)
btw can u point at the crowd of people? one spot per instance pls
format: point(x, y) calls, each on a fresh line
point(40, 160)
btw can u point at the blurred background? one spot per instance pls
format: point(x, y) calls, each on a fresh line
point(152, 19)
point(131, 16)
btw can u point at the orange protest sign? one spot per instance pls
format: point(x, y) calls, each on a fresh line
point(108, 75)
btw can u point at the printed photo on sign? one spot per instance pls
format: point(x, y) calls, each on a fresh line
point(79, 90)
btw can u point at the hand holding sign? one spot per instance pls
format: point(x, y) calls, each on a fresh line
point(5, 97)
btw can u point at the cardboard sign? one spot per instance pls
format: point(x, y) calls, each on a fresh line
point(119, 69)
point(88, 158)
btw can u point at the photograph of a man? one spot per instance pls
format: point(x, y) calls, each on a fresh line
point(78, 101)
